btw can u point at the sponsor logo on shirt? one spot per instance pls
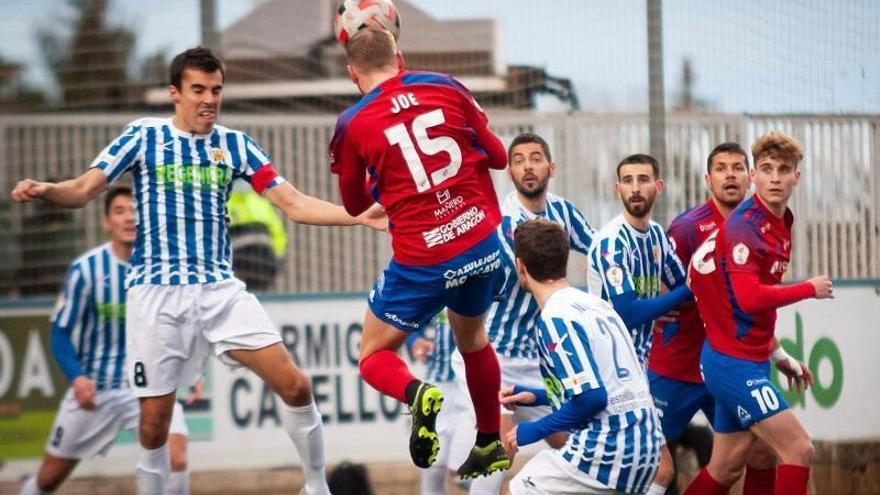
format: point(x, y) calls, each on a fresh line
point(706, 227)
point(111, 311)
point(740, 254)
point(779, 267)
point(217, 156)
point(582, 378)
point(744, 416)
point(449, 206)
point(455, 228)
point(193, 176)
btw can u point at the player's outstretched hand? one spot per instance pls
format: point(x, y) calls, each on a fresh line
point(196, 392)
point(799, 376)
point(510, 400)
point(84, 392)
point(27, 190)
point(824, 287)
point(375, 218)
point(509, 443)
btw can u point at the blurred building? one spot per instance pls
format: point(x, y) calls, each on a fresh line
point(283, 56)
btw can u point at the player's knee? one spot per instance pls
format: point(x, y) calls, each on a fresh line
point(178, 461)
point(295, 389)
point(665, 472)
point(799, 452)
point(726, 473)
point(762, 457)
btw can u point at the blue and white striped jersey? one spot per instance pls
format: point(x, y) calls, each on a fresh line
point(90, 314)
point(438, 362)
point(584, 346)
point(625, 260)
point(511, 319)
point(182, 182)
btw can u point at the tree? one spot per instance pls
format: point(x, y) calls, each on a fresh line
point(90, 63)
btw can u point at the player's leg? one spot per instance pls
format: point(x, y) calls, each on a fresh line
point(760, 470)
point(52, 473)
point(154, 463)
point(238, 331)
point(275, 366)
point(404, 298)
point(676, 403)
point(178, 480)
point(784, 434)
point(159, 337)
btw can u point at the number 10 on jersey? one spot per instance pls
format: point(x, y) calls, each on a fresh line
point(398, 135)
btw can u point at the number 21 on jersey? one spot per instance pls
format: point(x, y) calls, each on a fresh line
point(399, 135)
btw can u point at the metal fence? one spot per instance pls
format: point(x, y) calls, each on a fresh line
point(837, 204)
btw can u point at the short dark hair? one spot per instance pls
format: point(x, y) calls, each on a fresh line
point(528, 137)
point(371, 49)
point(199, 58)
point(728, 147)
point(113, 193)
point(542, 246)
point(640, 159)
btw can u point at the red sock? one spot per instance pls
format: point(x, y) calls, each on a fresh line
point(759, 481)
point(704, 484)
point(791, 479)
point(483, 374)
point(387, 373)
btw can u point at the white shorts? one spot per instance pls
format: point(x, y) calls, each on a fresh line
point(514, 371)
point(548, 474)
point(82, 434)
point(172, 329)
point(455, 441)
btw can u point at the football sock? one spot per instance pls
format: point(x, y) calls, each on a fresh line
point(792, 480)
point(178, 483)
point(656, 489)
point(30, 487)
point(759, 481)
point(152, 471)
point(385, 371)
point(305, 428)
point(434, 480)
point(483, 374)
point(489, 485)
point(704, 484)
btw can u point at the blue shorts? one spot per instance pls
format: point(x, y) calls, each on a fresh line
point(744, 394)
point(408, 296)
point(678, 401)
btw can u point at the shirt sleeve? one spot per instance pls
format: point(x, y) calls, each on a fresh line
point(121, 155)
point(572, 358)
point(580, 232)
point(68, 312)
point(609, 262)
point(674, 273)
point(683, 236)
point(345, 162)
point(744, 248)
point(254, 164)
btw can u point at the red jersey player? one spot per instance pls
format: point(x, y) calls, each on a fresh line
point(736, 277)
point(420, 145)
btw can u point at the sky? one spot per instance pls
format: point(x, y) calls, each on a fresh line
point(749, 56)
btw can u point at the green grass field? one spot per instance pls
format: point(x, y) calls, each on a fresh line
point(25, 436)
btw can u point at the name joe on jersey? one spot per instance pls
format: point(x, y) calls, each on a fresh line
point(454, 228)
point(486, 264)
point(403, 101)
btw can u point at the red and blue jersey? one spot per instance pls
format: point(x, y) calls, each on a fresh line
point(738, 286)
point(675, 351)
point(420, 145)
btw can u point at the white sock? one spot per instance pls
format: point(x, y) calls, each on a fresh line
point(656, 489)
point(434, 480)
point(152, 471)
point(29, 487)
point(178, 483)
point(488, 485)
point(304, 426)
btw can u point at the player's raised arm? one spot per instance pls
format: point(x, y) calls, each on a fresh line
point(305, 209)
point(73, 193)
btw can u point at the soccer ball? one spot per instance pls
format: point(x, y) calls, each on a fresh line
point(355, 14)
